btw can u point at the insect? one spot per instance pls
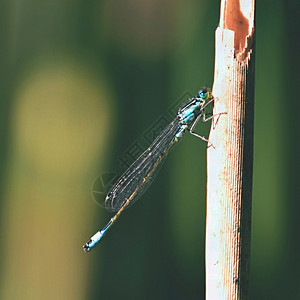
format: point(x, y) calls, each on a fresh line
point(139, 176)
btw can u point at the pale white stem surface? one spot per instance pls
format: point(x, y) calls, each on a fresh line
point(228, 223)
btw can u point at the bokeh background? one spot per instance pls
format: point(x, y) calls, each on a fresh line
point(82, 83)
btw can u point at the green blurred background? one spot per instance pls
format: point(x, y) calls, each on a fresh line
point(81, 81)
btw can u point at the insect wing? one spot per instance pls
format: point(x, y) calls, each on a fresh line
point(139, 176)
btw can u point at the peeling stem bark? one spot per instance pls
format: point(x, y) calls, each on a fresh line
point(229, 187)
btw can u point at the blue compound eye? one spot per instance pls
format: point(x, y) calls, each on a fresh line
point(204, 94)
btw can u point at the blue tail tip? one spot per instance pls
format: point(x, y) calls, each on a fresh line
point(86, 247)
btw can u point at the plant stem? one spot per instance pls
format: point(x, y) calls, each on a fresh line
point(229, 187)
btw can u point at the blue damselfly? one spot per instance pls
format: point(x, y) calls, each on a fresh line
point(139, 176)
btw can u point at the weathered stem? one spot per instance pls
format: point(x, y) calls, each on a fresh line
point(228, 224)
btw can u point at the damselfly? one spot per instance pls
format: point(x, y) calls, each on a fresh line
point(139, 176)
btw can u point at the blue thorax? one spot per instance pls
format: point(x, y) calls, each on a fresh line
point(188, 115)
